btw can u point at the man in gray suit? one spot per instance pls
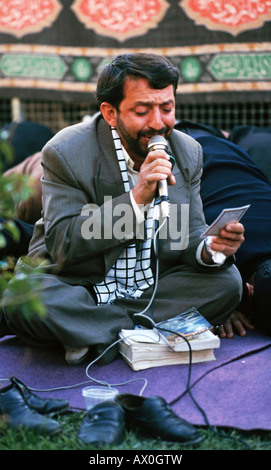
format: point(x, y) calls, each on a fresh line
point(100, 210)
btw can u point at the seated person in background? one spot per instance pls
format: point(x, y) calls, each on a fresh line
point(256, 141)
point(15, 247)
point(26, 140)
point(28, 210)
point(96, 277)
point(231, 179)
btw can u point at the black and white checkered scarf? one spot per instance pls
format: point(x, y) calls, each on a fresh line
point(132, 273)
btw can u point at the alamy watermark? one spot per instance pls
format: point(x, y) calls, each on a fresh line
point(119, 222)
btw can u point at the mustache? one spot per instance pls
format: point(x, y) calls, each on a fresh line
point(152, 133)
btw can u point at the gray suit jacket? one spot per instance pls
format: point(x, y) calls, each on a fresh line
point(80, 168)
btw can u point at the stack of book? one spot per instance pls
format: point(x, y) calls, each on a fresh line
point(166, 343)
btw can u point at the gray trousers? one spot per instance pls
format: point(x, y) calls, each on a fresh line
point(74, 319)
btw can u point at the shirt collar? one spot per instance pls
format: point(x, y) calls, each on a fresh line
point(129, 161)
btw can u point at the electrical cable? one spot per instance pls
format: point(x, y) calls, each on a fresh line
point(188, 390)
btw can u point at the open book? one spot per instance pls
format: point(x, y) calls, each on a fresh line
point(144, 348)
point(188, 324)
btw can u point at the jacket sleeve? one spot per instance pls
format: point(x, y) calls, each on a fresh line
point(78, 232)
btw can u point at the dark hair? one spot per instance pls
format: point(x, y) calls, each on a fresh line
point(159, 72)
point(262, 296)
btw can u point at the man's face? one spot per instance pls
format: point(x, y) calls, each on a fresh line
point(143, 113)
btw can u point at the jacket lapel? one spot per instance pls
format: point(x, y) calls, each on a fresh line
point(108, 181)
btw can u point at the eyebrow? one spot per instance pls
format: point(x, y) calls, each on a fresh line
point(149, 103)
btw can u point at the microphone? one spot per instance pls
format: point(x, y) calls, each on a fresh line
point(158, 142)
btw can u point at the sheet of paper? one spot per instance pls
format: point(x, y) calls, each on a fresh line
point(225, 217)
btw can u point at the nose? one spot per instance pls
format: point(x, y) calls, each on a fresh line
point(156, 121)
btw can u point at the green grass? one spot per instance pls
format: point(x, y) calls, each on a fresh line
point(21, 439)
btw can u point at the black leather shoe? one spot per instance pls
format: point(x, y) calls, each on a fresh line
point(41, 405)
point(103, 424)
point(17, 413)
point(155, 417)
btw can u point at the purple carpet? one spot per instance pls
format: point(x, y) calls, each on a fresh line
point(233, 391)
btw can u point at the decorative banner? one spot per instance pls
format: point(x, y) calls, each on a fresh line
point(232, 16)
point(33, 66)
point(54, 49)
point(120, 19)
point(241, 67)
point(21, 17)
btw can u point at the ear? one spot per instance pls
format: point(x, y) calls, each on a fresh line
point(109, 113)
point(250, 289)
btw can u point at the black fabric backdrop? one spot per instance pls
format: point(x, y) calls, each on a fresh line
point(54, 49)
